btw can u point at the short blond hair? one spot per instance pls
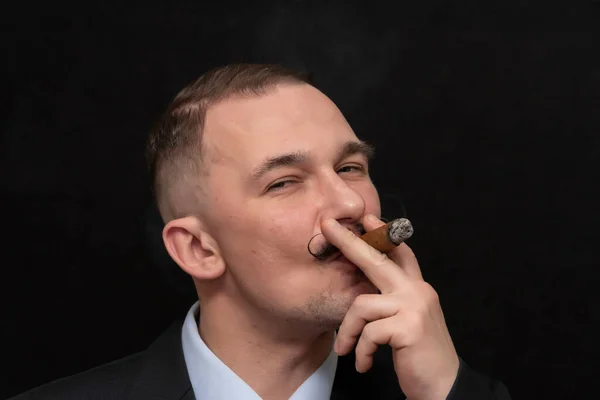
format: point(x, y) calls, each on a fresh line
point(174, 147)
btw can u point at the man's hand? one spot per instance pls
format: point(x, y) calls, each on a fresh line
point(406, 315)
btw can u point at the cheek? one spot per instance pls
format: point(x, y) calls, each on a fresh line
point(373, 205)
point(287, 230)
point(267, 239)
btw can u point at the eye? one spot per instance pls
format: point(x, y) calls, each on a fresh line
point(279, 185)
point(351, 168)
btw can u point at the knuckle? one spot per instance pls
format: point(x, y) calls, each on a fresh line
point(415, 325)
point(429, 293)
point(361, 301)
point(379, 258)
point(369, 333)
point(423, 291)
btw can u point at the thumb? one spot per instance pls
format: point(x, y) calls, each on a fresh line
point(371, 222)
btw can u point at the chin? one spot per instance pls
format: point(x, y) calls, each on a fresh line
point(346, 298)
point(328, 309)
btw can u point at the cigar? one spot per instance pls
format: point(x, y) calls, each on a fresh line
point(390, 235)
point(384, 238)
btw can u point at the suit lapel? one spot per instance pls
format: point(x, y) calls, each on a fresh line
point(380, 382)
point(163, 374)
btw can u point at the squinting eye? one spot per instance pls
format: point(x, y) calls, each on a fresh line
point(350, 168)
point(278, 185)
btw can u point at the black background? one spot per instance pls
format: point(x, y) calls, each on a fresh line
point(485, 118)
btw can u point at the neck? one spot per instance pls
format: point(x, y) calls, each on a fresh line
point(273, 357)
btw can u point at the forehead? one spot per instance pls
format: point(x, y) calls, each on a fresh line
point(243, 131)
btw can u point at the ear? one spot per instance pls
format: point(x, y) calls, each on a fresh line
point(193, 249)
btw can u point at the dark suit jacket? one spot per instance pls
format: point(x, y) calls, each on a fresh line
point(160, 373)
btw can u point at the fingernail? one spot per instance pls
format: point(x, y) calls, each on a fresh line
point(331, 222)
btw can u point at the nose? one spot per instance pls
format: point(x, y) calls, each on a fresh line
point(342, 201)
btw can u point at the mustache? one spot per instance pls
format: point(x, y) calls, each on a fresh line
point(324, 251)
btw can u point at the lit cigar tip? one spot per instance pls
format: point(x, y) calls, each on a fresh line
point(399, 230)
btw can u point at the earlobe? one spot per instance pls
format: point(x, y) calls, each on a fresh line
point(193, 249)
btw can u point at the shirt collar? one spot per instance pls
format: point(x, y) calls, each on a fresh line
point(212, 379)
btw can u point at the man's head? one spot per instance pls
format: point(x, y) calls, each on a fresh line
point(247, 162)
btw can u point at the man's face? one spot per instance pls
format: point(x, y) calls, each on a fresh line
point(278, 165)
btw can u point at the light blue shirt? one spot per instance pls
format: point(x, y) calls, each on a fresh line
point(213, 380)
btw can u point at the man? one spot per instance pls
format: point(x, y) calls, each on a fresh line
point(249, 163)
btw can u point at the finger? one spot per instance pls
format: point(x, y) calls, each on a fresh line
point(378, 267)
point(366, 308)
point(405, 258)
point(375, 334)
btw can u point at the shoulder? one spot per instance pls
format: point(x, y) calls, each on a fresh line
point(159, 371)
point(109, 381)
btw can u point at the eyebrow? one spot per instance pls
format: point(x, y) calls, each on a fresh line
point(289, 159)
